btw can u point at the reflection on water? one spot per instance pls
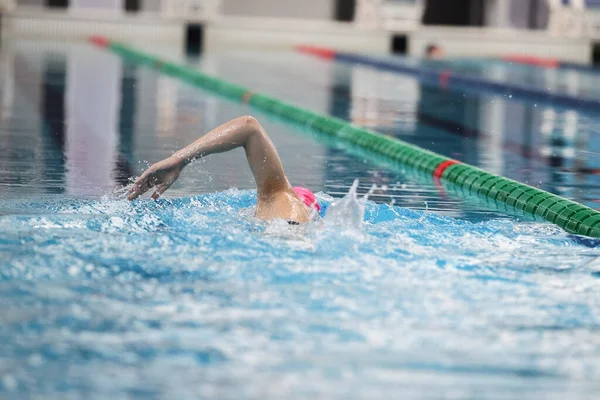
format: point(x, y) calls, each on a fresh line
point(86, 144)
point(53, 120)
point(100, 122)
point(124, 170)
point(91, 123)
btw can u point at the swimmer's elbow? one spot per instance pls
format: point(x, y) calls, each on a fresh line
point(254, 128)
point(251, 123)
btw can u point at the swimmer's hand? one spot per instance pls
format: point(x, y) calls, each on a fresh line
point(162, 175)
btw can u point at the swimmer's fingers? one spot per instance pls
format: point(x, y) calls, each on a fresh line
point(161, 174)
point(141, 186)
point(160, 190)
point(135, 192)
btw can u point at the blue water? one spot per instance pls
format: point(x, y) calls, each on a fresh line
point(431, 295)
point(193, 297)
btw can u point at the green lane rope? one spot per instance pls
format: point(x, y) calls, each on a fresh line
point(517, 197)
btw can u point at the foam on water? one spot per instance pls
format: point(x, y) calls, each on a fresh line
point(194, 297)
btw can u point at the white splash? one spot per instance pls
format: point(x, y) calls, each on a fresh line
point(348, 212)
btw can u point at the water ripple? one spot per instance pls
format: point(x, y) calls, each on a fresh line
point(154, 295)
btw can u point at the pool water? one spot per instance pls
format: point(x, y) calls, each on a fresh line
point(191, 297)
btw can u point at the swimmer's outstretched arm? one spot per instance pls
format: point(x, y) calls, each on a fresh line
point(243, 132)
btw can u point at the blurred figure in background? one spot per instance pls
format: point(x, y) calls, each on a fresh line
point(434, 51)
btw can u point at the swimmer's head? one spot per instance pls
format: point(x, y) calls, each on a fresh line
point(308, 198)
point(434, 51)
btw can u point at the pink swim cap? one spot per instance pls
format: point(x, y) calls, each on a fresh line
point(307, 197)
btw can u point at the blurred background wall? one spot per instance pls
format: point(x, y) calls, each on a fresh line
point(309, 9)
point(521, 14)
point(402, 26)
point(31, 2)
point(496, 13)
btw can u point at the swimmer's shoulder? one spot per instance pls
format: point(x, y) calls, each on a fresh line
point(283, 205)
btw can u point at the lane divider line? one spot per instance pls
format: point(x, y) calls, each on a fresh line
point(532, 60)
point(550, 63)
point(317, 51)
point(99, 41)
point(445, 79)
point(569, 215)
point(460, 82)
point(247, 96)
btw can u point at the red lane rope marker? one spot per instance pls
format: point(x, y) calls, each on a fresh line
point(247, 96)
point(439, 171)
point(445, 78)
point(532, 60)
point(327, 54)
point(99, 41)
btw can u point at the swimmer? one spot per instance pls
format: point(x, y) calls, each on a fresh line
point(433, 51)
point(276, 198)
